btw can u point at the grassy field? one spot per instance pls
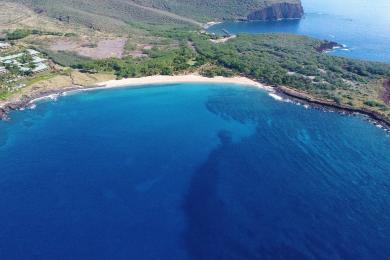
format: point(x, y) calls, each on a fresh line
point(104, 15)
point(113, 15)
point(99, 22)
point(71, 42)
point(206, 11)
point(274, 59)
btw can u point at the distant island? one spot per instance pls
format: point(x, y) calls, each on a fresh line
point(50, 48)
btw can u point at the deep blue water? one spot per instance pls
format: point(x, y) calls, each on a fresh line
point(191, 172)
point(362, 25)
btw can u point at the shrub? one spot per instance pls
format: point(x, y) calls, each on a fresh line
point(18, 34)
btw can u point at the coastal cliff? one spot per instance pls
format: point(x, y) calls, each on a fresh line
point(278, 11)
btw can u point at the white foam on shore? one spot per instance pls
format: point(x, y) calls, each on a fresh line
point(162, 80)
point(276, 97)
point(53, 97)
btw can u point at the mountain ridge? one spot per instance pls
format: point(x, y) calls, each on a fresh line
point(91, 13)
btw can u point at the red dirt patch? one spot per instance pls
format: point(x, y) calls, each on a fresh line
point(139, 51)
point(64, 45)
point(107, 48)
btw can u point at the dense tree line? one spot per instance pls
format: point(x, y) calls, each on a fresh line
point(274, 59)
point(282, 59)
point(157, 62)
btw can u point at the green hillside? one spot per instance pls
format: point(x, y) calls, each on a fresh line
point(206, 10)
point(114, 14)
point(273, 59)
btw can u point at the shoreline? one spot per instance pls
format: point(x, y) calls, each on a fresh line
point(26, 101)
point(152, 81)
point(189, 78)
point(29, 99)
point(210, 24)
point(373, 117)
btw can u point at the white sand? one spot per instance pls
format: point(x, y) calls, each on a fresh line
point(156, 80)
point(190, 78)
point(223, 40)
point(209, 24)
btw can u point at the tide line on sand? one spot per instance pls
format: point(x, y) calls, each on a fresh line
point(160, 79)
point(191, 78)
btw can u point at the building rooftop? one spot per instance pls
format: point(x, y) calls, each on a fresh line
point(4, 45)
point(33, 52)
point(11, 57)
point(38, 61)
point(40, 67)
point(3, 70)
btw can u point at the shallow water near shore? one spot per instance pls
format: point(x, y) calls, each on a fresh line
point(191, 171)
point(363, 26)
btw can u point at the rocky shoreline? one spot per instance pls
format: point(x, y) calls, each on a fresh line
point(328, 46)
point(372, 116)
point(27, 100)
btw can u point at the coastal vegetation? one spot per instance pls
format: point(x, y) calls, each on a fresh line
point(115, 14)
point(289, 60)
point(23, 33)
point(157, 62)
point(273, 59)
point(168, 41)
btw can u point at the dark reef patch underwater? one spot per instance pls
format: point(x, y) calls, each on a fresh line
point(191, 171)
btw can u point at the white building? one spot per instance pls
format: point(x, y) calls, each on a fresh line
point(33, 52)
point(4, 45)
point(37, 59)
point(40, 67)
point(11, 57)
point(39, 62)
point(3, 70)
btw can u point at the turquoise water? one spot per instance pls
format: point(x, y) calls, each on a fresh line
point(191, 171)
point(363, 26)
point(202, 171)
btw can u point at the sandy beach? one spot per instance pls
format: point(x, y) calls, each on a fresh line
point(209, 24)
point(30, 98)
point(191, 78)
point(156, 80)
point(130, 82)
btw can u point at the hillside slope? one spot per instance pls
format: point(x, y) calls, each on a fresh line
point(107, 14)
point(204, 10)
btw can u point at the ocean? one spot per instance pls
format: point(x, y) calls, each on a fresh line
point(202, 171)
point(191, 171)
point(362, 26)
